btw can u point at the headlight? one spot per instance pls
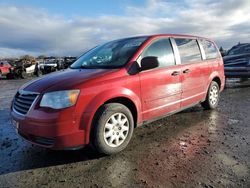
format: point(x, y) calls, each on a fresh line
point(60, 99)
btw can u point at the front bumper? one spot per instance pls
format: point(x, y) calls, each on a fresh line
point(58, 130)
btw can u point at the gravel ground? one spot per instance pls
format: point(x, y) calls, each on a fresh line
point(194, 148)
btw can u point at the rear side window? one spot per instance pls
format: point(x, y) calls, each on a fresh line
point(189, 50)
point(210, 49)
point(163, 50)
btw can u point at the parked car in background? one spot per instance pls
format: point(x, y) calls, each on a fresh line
point(30, 67)
point(48, 65)
point(117, 86)
point(51, 64)
point(23, 68)
point(4, 68)
point(17, 70)
point(69, 60)
point(237, 61)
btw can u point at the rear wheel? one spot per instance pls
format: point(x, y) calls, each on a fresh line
point(212, 98)
point(113, 128)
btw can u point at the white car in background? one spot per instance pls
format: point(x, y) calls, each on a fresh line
point(51, 64)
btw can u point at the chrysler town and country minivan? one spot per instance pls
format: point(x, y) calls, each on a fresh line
point(117, 86)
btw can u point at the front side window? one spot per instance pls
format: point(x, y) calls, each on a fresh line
point(161, 49)
point(113, 54)
point(210, 49)
point(189, 50)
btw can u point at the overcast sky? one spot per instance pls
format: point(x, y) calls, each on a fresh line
point(66, 27)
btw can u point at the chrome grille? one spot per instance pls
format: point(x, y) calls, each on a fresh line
point(23, 101)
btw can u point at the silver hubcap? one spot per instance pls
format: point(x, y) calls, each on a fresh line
point(116, 130)
point(213, 95)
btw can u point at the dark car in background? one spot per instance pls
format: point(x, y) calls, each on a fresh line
point(237, 61)
point(17, 70)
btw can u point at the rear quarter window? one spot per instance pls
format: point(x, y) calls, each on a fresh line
point(209, 49)
point(189, 50)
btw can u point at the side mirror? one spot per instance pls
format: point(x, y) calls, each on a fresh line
point(149, 62)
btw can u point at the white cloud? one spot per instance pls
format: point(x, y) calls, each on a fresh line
point(28, 30)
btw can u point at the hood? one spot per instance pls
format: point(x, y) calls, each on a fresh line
point(237, 60)
point(63, 80)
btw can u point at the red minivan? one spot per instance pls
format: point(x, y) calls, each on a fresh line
point(117, 86)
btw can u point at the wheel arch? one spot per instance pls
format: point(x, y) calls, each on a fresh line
point(215, 76)
point(128, 103)
point(130, 100)
point(217, 80)
point(121, 100)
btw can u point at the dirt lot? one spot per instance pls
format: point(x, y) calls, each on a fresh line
point(194, 148)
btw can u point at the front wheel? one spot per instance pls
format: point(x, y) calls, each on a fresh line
point(113, 128)
point(212, 98)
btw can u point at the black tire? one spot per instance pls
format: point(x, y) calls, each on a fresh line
point(213, 96)
point(100, 139)
point(24, 75)
point(10, 76)
point(18, 74)
point(39, 73)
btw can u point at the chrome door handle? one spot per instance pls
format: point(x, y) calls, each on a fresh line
point(175, 73)
point(186, 71)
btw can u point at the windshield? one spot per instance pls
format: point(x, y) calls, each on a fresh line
point(239, 49)
point(110, 55)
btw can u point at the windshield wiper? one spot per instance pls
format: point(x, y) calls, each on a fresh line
point(84, 67)
point(95, 67)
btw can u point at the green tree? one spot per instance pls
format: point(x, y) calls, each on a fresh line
point(221, 49)
point(27, 58)
point(41, 56)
